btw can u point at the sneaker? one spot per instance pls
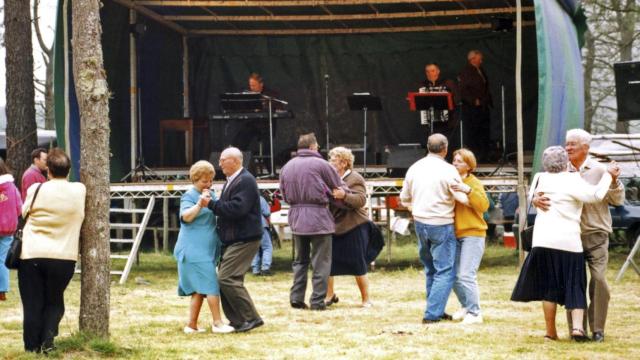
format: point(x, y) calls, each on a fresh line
point(188, 330)
point(472, 319)
point(459, 315)
point(222, 329)
point(367, 304)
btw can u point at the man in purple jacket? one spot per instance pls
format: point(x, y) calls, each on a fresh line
point(34, 174)
point(306, 182)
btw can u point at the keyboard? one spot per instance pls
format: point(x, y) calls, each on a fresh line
point(261, 115)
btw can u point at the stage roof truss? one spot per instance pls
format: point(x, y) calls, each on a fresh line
point(310, 17)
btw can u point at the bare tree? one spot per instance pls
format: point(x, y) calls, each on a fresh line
point(93, 101)
point(613, 30)
point(45, 87)
point(21, 123)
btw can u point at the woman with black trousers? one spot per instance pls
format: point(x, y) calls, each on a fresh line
point(49, 251)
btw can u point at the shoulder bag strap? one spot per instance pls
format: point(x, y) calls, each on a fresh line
point(32, 201)
point(526, 216)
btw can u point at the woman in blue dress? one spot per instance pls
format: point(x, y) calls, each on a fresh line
point(198, 249)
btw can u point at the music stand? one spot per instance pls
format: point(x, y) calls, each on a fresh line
point(270, 99)
point(430, 100)
point(364, 102)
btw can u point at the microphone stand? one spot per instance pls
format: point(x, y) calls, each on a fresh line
point(326, 106)
point(272, 173)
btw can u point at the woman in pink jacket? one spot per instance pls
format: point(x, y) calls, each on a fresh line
point(10, 205)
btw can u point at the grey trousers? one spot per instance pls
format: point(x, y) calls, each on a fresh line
point(319, 248)
point(596, 252)
point(236, 301)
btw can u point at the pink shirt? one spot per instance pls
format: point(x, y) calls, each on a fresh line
point(31, 176)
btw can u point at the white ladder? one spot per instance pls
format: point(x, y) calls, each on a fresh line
point(135, 228)
point(630, 261)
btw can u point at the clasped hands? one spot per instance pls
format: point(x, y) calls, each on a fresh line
point(204, 199)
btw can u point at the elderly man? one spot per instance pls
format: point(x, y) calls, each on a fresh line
point(441, 121)
point(476, 104)
point(307, 182)
point(427, 192)
point(595, 224)
point(240, 230)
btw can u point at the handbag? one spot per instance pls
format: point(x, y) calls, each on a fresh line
point(15, 249)
point(527, 233)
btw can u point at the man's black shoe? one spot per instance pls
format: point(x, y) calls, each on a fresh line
point(319, 307)
point(598, 336)
point(446, 317)
point(248, 325)
point(298, 305)
point(427, 321)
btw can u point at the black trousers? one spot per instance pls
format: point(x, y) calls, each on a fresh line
point(477, 130)
point(42, 283)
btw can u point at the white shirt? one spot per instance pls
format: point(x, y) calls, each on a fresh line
point(426, 189)
point(559, 227)
point(233, 176)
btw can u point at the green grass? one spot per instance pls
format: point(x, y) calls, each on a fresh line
point(146, 320)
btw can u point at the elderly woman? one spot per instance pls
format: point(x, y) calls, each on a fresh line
point(10, 206)
point(471, 230)
point(350, 241)
point(554, 271)
point(49, 250)
point(198, 250)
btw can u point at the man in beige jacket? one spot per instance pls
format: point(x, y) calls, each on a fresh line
point(595, 225)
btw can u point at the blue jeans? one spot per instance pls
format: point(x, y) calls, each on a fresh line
point(265, 253)
point(437, 250)
point(5, 243)
point(468, 256)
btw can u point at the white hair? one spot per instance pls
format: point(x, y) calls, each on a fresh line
point(582, 136)
point(554, 159)
point(233, 152)
point(473, 53)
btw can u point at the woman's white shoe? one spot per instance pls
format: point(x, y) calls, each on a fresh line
point(188, 330)
point(459, 315)
point(222, 329)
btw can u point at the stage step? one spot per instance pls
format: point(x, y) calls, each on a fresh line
point(123, 226)
point(127, 211)
point(122, 241)
point(119, 256)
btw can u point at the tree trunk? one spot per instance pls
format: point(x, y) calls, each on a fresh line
point(21, 112)
point(93, 96)
point(49, 110)
point(588, 77)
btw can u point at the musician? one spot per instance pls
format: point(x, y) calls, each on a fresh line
point(443, 121)
point(476, 105)
point(253, 135)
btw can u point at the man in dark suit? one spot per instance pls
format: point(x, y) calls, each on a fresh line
point(476, 104)
point(240, 230)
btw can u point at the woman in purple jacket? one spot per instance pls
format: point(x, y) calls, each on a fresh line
point(10, 205)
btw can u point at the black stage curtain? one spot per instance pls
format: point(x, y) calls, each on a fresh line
point(387, 65)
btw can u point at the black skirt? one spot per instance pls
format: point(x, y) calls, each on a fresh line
point(553, 275)
point(349, 251)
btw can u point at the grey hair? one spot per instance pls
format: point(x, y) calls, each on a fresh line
point(233, 152)
point(306, 140)
point(582, 136)
point(473, 53)
point(437, 143)
point(554, 159)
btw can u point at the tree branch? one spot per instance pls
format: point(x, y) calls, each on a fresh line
point(36, 25)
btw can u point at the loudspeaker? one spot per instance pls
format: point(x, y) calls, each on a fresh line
point(400, 158)
point(628, 90)
point(501, 24)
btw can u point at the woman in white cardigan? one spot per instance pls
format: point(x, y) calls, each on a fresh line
point(49, 251)
point(554, 272)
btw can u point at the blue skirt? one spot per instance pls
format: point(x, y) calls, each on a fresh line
point(197, 277)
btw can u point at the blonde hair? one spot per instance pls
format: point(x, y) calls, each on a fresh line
point(201, 169)
point(468, 157)
point(342, 153)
